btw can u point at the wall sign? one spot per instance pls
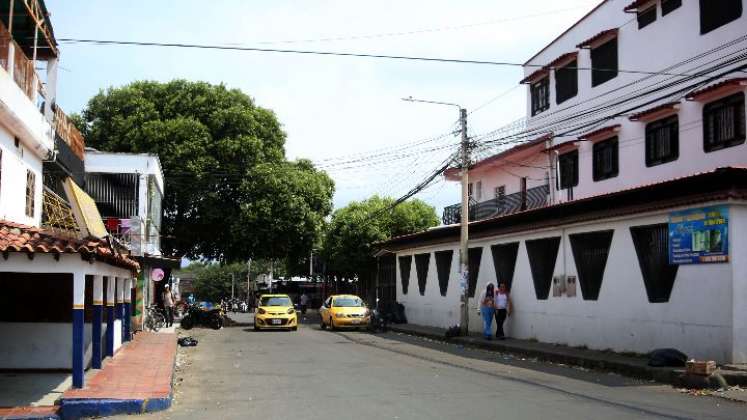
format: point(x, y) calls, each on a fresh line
point(698, 236)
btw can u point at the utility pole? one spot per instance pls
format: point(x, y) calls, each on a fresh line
point(249, 288)
point(232, 286)
point(464, 224)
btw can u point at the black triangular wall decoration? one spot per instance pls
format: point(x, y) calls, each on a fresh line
point(405, 263)
point(474, 256)
point(421, 268)
point(542, 256)
point(652, 248)
point(504, 262)
point(590, 252)
point(443, 266)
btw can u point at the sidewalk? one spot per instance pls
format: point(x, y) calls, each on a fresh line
point(633, 366)
point(138, 379)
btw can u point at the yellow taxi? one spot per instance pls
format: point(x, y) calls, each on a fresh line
point(344, 311)
point(275, 312)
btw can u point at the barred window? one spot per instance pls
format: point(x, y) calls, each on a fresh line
point(540, 93)
point(606, 161)
point(566, 82)
point(568, 165)
point(30, 192)
point(662, 141)
point(651, 244)
point(604, 62)
point(724, 123)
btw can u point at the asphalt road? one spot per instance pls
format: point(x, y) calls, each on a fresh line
point(236, 373)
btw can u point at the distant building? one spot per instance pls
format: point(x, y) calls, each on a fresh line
point(618, 205)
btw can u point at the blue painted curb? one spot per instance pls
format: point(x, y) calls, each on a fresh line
point(72, 409)
point(32, 417)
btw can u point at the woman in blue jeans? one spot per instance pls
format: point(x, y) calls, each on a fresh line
point(487, 310)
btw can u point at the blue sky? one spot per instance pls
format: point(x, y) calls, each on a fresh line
point(329, 106)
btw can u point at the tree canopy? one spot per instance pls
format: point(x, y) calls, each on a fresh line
point(349, 243)
point(230, 192)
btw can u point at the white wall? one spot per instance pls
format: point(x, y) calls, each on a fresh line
point(698, 318)
point(41, 345)
point(509, 172)
point(738, 247)
point(15, 162)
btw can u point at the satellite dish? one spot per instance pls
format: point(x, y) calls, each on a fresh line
point(157, 274)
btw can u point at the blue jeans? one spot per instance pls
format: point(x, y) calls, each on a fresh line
point(487, 321)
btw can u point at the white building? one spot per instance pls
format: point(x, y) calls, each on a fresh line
point(607, 213)
point(57, 268)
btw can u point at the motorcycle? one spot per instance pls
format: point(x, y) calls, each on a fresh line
point(378, 321)
point(195, 315)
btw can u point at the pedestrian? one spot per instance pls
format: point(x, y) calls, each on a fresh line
point(304, 301)
point(503, 308)
point(168, 305)
point(487, 309)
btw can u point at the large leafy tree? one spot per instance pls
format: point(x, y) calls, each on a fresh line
point(230, 192)
point(349, 242)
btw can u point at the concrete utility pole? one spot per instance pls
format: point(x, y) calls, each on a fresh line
point(464, 224)
point(233, 280)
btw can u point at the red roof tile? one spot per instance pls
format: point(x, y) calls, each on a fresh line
point(653, 113)
point(15, 237)
point(563, 59)
point(536, 75)
point(713, 89)
point(598, 37)
point(601, 133)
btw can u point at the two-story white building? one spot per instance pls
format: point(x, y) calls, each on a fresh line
point(58, 268)
point(616, 215)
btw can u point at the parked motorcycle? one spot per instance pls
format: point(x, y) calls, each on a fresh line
point(378, 321)
point(195, 315)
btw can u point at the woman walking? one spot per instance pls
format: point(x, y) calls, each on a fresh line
point(503, 307)
point(487, 309)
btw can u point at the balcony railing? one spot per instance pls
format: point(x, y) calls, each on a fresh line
point(57, 216)
point(511, 203)
point(68, 132)
point(23, 69)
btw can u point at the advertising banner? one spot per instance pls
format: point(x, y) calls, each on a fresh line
point(698, 236)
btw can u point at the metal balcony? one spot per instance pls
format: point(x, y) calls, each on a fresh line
point(499, 206)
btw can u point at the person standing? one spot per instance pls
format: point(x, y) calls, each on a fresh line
point(304, 301)
point(503, 307)
point(487, 310)
point(168, 304)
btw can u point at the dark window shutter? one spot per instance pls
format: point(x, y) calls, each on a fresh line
point(566, 82)
point(715, 14)
point(443, 266)
point(652, 248)
point(543, 254)
point(668, 6)
point(604, 62)
point(405, 263)
point(606, 161)
point(590, 251)
point(421, 268)
point(474, 256)
point(504, 261)
point(662, 141)
point(646, 17)
point(568, 163)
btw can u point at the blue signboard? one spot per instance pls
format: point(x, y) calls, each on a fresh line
point(699, 236)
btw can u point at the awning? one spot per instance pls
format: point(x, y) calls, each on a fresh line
point(598, 39)
point(719, 89)
point(601, 133)
point(656, 112)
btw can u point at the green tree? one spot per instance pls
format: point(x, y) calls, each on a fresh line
point(349, 243)
point(213, 281)
point(230, 192)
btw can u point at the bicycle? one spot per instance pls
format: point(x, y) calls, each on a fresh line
point(155, 319)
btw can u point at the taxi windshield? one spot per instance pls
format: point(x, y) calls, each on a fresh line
point(275, 301)
point(347, 302)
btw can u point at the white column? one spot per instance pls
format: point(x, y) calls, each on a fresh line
point(98, 290)
point(738, 257)
point(51, 88)
point(119, 294)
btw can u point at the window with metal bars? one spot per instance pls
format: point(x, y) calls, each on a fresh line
point(646, 17)
point(651, 244)
point(566, 82)
point(474, 256)
point(543, 253)
point(662, 141)
point(405, 263)
point(715, 14)
point(540, 92)
point(668, 6)
point(606, 163)
point(504, 262)
point(568, 168)
point(724, 123)
point(30, 193)
point(590, 252)
point(443, 267)
point(604, 62)
point(422, 261)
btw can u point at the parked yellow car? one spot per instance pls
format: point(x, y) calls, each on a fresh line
point(344, 311)
point(275, 312)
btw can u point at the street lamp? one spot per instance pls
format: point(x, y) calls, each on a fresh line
point(464, 224)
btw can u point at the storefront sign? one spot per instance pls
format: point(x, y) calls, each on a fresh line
point(698, 236)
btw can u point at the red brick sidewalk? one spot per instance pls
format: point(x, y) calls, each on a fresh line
point(141, 370)
point(34, 412)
